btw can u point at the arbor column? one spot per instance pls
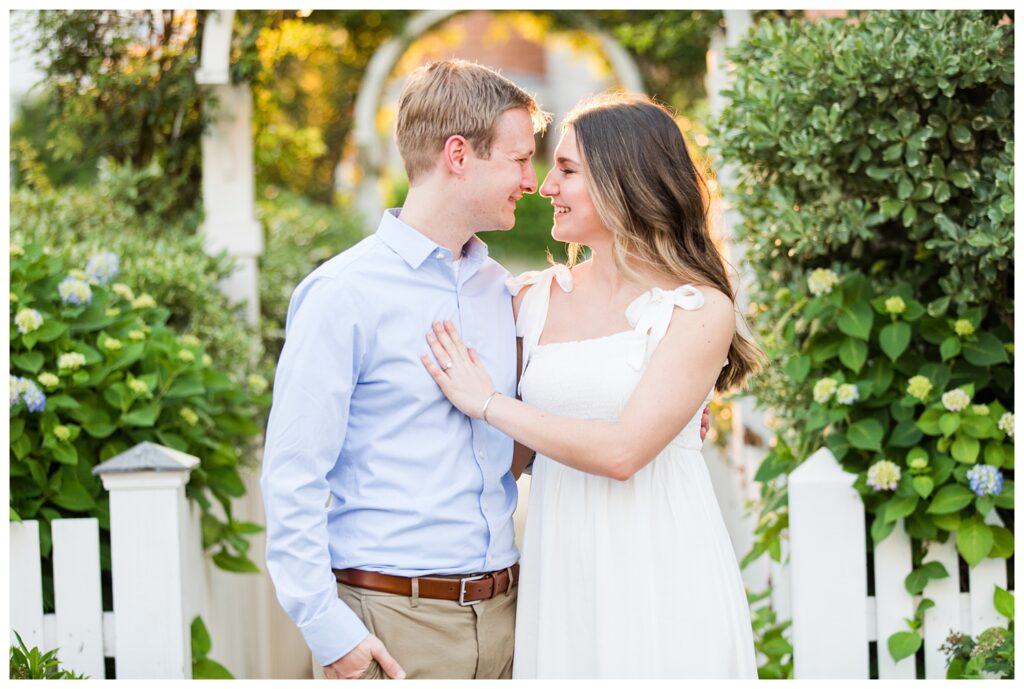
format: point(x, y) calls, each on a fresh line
point(229, 198)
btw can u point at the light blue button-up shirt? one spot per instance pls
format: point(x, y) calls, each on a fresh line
point(416, 487)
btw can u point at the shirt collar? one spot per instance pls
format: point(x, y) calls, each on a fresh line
point(413, 246)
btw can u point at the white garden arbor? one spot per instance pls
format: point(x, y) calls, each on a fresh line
point(250, 633)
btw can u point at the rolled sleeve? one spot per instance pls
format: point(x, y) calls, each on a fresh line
point(305, 434)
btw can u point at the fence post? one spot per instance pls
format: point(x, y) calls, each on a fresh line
point(148, 518)
point(828, 571)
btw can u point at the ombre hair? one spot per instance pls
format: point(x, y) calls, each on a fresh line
point(650, 195)
point(450, 97)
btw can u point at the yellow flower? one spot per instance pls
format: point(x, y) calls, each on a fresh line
point(122, 290)
point(14, 298)
point(139, 387)
point(821, 281)
point(918, 463)
point(191, 418)
point(980, 409)
point(186, 356)
point(190, 340)
point(919, 387)
point(895, 305)
point(48, 380)
point(257, 383)
point(207, 360)
point(136, 335)
point(62, 433)
point(113, 311)
point(71, 361)
point(823, 390)
point(16, 250)
point(112, 345)
point(963, 327)
point(143, 301)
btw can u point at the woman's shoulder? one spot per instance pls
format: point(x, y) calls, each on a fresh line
point(519, 286)
point(705, 306)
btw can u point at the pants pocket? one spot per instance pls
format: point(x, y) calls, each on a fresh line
point(375, 671)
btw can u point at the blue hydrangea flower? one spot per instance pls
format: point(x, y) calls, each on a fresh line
point(103, 267)
point(985, 480)
point(74, 291)
point(34, 398)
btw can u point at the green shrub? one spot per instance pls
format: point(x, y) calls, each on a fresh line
point(163, 259)
point(299, 235)
point(990, 656)
point(875, 183)
point(31, 663)
point(96, 370)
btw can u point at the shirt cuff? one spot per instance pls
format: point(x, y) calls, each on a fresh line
point(334, 633)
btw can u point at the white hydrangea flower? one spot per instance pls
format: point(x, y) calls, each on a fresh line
point(112, 344)
point(28, 320)
point(821, 281)
point(186, 356)
point(884, 475)
point(71, 361)
point(74, 291)
point(847, 394)
point(955, 400)
point(48, 380)
point(122, 290)
point(136, 335)
point(895, 305)
point(980, 409)
point(143, 301)
point(1006, 423)
point(823, 390)
point(139, 387)
point(103, 267)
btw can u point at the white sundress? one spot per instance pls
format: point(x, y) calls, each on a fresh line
point(621, 579)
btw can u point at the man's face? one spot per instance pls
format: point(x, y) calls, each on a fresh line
point(494, 185)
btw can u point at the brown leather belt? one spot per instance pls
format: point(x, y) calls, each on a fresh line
point(466, 589)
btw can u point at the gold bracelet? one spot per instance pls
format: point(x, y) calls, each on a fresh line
point(483, 412)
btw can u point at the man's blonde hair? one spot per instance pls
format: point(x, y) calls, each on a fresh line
point(455, 97)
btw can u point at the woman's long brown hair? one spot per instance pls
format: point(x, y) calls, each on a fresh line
point(648, 192)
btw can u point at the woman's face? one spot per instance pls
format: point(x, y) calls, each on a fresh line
point(576, 219)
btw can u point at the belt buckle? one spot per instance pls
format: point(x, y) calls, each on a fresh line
point(462, 589)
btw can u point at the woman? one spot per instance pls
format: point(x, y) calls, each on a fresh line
point(627, 568)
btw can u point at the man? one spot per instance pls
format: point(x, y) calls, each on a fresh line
point(411, 569)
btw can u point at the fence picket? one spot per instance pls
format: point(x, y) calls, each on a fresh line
point(26, 584)
point(984, 577)
point(78, 595)
point(828, 571)
point(945, 616)
point(893, 603)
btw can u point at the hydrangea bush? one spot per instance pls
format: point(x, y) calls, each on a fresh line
point(95, 369)
point(881, 235)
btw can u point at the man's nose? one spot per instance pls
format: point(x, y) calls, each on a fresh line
point(529, 182)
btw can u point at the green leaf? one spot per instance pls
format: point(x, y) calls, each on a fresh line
point(201, 643)
point(73, 496)
point(950, 498)
point(143, 416)
point(974, 540)
point(905, 434)
point(894, 339)
point(880, 529)
point(949, 348)
point(856, 320)
point(903, 645)
point(28, 361)
point(50, 330)
point(65, 453)
point(205, 669)
point(1003, 601)
point(965, 449)
point(978, 426)
point(986, 350)
point(994, 454)
point(1002, 542)
point(947, 522)
point(853, 353)
point(918, 579)
point(866, 434)
point(235, 563)
point(923, 485)
point(948, 423)
point(899, 507)
point(798, 367)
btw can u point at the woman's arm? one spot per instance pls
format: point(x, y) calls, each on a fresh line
point(521, 455)
point(684, 366)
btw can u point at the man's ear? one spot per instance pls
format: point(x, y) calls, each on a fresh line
point(455, 155)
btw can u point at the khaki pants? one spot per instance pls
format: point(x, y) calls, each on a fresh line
point(437, 639)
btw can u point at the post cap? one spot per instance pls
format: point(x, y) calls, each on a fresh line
point(147, 456)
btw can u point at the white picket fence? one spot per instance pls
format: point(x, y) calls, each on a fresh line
point(834, 619)
point(153, 544)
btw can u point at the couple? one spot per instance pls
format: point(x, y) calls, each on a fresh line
point(395, 403)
